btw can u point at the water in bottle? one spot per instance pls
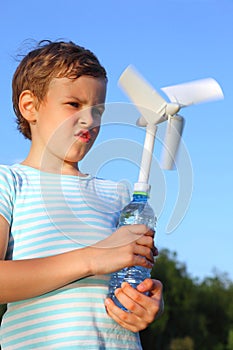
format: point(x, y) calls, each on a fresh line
point(138, 211)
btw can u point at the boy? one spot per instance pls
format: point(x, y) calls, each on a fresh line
point(58, 237)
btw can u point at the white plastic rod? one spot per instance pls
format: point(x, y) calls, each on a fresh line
point(147, 153)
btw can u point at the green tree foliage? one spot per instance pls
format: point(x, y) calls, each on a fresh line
point(197, 315)
point(182, 344)
point(230, 340)
point(2, 311)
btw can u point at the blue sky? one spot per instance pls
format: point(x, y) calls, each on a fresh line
point(169, 42)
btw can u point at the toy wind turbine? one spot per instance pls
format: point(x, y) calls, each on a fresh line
point(154, 110)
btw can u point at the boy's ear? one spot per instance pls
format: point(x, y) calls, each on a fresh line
point(27, 105)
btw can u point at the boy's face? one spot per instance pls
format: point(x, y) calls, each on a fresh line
point(68, 120)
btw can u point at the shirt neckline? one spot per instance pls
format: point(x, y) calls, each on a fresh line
point(23, 166)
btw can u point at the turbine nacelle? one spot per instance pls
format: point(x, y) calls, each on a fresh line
point(169, 110)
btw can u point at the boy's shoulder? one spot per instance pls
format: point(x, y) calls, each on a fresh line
point(8, 170)
point(121, 188)
point(10, 174)
point(111, 183)
point(5, 170)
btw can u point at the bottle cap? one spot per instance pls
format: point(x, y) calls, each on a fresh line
point(142, 187)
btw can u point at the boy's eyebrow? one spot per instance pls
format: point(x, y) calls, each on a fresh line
point(76, 98)
point(83, 101)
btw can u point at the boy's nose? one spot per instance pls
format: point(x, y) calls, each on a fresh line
point(87, 119)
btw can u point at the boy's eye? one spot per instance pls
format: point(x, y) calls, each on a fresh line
point(74, 104)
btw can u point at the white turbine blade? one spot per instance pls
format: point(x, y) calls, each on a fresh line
point(150, 104)
point(171, 142)
point(193, 92)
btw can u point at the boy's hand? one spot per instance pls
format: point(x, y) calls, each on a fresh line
point(143, 309)
point(128, 246)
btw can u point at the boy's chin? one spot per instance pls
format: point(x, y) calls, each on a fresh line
point(76, 158)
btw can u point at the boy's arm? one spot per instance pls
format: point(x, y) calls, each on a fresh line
point(23, 279)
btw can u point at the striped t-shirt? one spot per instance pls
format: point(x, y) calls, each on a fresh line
point(50, 214)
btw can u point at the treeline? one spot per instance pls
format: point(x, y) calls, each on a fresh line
point(197, 315)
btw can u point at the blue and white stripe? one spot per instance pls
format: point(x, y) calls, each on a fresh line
point(51, 214)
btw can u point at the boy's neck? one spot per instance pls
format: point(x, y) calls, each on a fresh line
point(59, 167)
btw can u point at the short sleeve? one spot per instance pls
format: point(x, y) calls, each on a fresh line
point(7, 190)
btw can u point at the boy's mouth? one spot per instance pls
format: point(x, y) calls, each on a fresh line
point(84, 136)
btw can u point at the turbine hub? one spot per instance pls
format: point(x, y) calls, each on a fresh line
point(172, 108)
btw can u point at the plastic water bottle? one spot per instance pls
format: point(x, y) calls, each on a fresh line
point(138, 211)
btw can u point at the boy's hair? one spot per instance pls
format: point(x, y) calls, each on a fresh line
point(47, 61)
